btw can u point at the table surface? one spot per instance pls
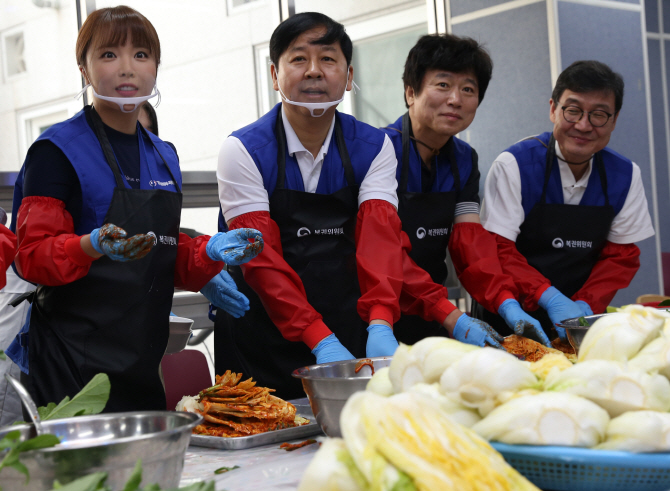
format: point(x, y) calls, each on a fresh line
point(266, 468)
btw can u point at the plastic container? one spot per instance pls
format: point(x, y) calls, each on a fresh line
point(575, 469)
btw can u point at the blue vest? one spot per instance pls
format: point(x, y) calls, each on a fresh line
point(78, 142)
point(531, 157)
point(362, 140)
point(444, 180)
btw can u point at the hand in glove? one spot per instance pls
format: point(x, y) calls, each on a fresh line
point(559, 307)
point(521, 322)
point(477, 332)
point(111, 241)
point(381, 341)
point(586, 308)
point(234, 247)
point(330, 349)
point(221, 291)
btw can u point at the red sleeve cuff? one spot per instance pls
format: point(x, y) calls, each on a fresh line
point(505, 295)
point(381, 312)
point(315, 333)
point(539, 292)
point(441, 310)
point(202, 253)
point(76, 253)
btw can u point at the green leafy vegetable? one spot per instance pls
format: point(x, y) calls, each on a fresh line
point(135, 479)
point(221, 470)
point(97, 482)
point(583, 322)
point(92, 482)
point(11, 441)
point(92, 399)
point(665, 303)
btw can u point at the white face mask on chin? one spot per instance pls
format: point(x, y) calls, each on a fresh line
point(122, 101)
point(314, 106)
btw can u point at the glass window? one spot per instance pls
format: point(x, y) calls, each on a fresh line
point(13, 45)
point(267, 95)
point(378, 67)
point(651, 15)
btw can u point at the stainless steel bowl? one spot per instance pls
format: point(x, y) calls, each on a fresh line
point(107, 442)
point(180, 333)
point(329, 385)
point(575, 332)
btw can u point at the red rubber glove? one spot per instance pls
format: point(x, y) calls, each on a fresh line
point(279, 286)
point(530, 282)
point(475, 256)
point(379, 261)
point(614, 270)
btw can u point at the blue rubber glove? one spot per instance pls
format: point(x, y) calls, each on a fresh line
point(221, 291)
point(521, 322)
point(330, 349)
point(559, 307)
point(111, 241)
point(234, 247)
point(586, 308)
point(477, 332)
point(381, 341)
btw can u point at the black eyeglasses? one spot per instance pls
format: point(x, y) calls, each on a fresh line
point(597, 118)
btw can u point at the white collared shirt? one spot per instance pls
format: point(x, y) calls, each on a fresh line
point(241, 188)
point(502, 212)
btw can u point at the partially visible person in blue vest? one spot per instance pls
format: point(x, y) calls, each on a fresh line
point(97, 222)
point(565, 209)
point(445, 79)
point(321, 187)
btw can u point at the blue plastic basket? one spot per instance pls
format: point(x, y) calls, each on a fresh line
point(576, 469)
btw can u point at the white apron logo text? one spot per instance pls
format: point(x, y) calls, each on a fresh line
point(153, 184)
point(167, 240)
point(432, 232)
point(559, 243)
point(302, 231)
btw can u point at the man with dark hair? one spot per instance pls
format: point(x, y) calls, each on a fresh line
point(321, 186)
point(445, 80)
point(565, 209)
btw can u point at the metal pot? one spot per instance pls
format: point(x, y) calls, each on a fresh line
point(106, 442)
point(329, 385)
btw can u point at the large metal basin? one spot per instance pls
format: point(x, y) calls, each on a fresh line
point(106, 442)
point(329, 385)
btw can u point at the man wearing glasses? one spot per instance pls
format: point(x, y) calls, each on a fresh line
point(566, 210)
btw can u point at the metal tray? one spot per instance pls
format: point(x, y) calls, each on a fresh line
point(277, 436)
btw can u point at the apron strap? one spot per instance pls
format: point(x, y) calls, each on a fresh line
point(144, 132)
point(551, 154)
point(404, 170)
point(106, 147)
point(344, 153)
point(454, 165)
point(598, 161)
point(281, 153)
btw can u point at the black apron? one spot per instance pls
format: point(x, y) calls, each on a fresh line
point(427, 219)
point(115, 319)
point(326, 264)
point(563, 242)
